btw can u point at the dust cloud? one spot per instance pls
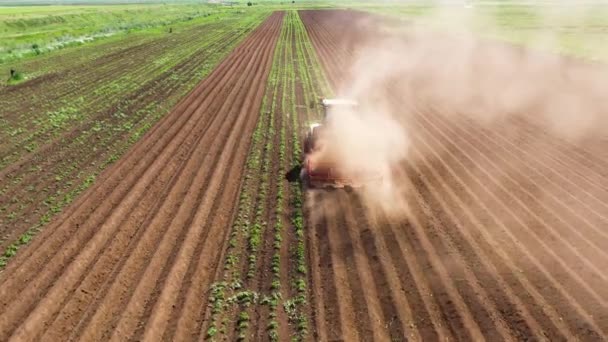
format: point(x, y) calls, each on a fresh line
point(395, 71)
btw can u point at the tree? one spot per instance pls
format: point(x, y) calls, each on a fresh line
point(249, 3)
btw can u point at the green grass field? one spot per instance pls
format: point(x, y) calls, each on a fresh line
point(31, 31)
point(27, 31)
point(575, 30)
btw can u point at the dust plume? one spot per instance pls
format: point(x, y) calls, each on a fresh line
point(370, 141)
point(394, 71)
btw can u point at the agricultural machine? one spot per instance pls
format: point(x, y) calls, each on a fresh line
point(320, 169)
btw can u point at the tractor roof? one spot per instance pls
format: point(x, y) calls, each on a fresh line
point(315, 125)
point(338, 102)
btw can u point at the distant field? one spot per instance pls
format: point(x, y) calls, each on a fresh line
point(29, 31)
point(39, 10)
point(574, 30)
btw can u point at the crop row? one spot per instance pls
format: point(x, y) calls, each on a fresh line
point(311, 87)
point(45, 181)
point(230, 297)
point(262, 291)
point(38, 111)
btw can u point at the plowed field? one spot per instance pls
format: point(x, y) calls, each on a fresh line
point(203, 231)
point(130, 259)
point(505, 238)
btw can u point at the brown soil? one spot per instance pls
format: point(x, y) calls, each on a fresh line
point(145, 236)
point(505, 237)
point(58, 165)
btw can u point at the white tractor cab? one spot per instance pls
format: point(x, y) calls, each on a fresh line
point(329, 104)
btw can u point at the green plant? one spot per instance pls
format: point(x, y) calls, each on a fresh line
point(15, 77)
point(211, 331)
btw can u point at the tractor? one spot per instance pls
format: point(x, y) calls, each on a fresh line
point(320, 169)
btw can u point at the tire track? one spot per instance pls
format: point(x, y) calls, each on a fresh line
point(337, 296)
point(346, 259)
point(377, 314)
point(395, 305)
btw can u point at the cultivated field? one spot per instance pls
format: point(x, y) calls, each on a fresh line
point(150, 187)
point(30, 31)
point(152, 223)
point(504, 239)
point(88, 106)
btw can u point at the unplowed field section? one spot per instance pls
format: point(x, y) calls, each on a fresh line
point(503, 241)
point(134, 256)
